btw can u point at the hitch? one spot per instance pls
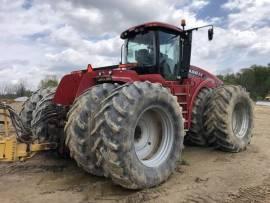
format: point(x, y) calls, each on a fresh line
point(12, 150)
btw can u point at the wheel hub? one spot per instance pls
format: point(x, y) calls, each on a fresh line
point(153, 137)
point(240, 120)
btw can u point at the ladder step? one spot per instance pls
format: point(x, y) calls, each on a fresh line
point(184, 111)
point(180, 94)
point(182, 102)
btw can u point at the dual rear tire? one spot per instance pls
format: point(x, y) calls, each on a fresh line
point(228, 118)
point(196, 136)
point(222, 118)
point(43, 117)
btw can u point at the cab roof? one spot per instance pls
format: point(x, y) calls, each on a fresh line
point(150, 26)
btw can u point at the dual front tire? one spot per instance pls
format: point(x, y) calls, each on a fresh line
point(80, 124)
point(142, 135)
point(135, 135)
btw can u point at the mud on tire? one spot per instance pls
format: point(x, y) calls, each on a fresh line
point(229, 118)
point(26, 114)
point(196, 135)
point(152, 108)
point(48, 119)
point(29, 106)
point(77, 130)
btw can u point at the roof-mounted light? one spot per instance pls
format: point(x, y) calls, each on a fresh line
point(183, 23)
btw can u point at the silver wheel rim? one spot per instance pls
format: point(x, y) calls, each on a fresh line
point(153, 136)
point(240, 120)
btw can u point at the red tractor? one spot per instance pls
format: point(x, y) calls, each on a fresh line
point(128, 121)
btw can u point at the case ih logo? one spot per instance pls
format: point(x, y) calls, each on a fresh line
point(197, 73)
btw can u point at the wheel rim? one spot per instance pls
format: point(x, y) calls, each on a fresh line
point(240, 120)
point(153, 136)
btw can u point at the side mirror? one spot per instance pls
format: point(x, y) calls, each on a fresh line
point(210, 34)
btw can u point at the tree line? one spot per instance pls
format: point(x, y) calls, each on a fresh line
point(20, 89)
point(256, 80)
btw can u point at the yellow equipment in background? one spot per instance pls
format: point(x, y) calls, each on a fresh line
point(11, 149)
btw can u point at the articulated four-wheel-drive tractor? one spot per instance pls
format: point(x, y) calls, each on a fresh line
point(129, 121)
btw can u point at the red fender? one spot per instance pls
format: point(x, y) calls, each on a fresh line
point(67, 88)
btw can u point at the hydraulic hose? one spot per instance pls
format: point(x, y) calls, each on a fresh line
point(23, 133)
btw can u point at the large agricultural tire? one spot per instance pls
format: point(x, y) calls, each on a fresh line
point(142, 132)
point(79, 125)
point(229, 118)
point(26, 114)
point(196, 135)
point(48, 119)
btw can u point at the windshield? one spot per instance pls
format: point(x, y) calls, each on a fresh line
point(169, 54)
point(141, 49)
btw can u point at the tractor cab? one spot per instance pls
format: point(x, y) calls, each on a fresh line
point(158, 48)
point(155, 51)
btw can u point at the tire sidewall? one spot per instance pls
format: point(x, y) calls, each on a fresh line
point(152, 176)
point(243, 99)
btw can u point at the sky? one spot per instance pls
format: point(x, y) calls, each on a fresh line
point(45, 37)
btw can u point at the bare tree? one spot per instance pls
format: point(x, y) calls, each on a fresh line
point(2, 88)
point(48, 81)
point(20, 88)
point(9, 90)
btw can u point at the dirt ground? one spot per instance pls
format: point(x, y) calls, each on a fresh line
point(206, 175)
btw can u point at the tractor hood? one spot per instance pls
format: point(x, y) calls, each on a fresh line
point(202, 73)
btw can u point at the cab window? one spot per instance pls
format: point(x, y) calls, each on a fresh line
point(169, 54)
point(141, 49)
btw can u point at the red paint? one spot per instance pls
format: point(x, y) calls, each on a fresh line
point(90, 68)
point(87, 81)
point(186, 90)
point(67, 89)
